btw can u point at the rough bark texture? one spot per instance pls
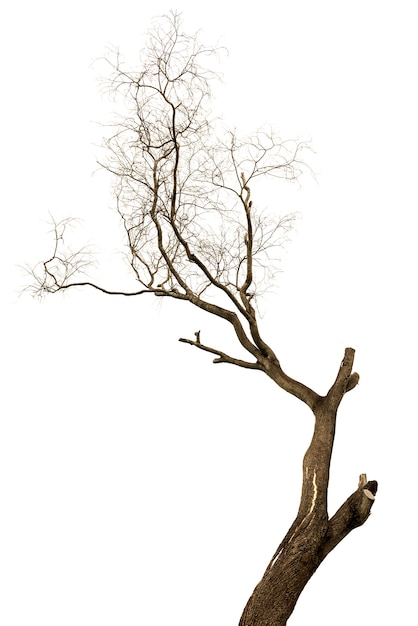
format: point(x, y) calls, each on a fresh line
point(312, 535)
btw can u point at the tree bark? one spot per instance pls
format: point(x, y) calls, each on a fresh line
point(312, 535)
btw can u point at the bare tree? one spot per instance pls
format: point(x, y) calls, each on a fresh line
point(184, 189)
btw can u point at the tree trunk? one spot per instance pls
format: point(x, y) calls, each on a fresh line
point(312, 535)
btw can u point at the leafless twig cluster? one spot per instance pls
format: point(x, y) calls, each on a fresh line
point(182, 185)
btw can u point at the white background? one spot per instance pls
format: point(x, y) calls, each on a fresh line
point(140, 484)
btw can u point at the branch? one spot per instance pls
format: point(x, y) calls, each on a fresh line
point(353, 513)
point(106, 291)
point(271, 366)
point(352, 381)
point(222, 357)
point(345, 381)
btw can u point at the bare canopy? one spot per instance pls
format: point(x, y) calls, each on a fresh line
point(182, 185)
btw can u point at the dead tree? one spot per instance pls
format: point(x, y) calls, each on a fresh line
point(184, 189)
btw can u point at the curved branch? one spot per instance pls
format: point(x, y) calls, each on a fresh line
point(273, 369)
point(108, 292)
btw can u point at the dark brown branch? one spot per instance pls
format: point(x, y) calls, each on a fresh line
point(222, 357)
point(247, 203)
point(106, 291)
